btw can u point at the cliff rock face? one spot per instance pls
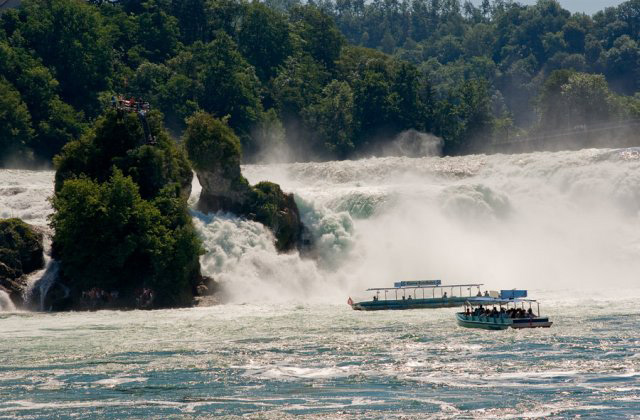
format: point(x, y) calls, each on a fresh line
point(21, 253)
point(265, 203)
point(215, 152)
point(222, 190)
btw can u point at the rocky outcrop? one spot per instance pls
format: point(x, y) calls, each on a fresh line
point(215, 152)
point(265, 203)
point(21, 253)
point(222, 190)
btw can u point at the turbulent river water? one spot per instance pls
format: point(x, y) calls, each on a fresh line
point(564, 225)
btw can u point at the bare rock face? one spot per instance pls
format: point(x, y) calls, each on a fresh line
point(222, 191)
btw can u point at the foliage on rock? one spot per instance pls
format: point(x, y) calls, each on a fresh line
point(216, 153)
point(21, 249)
point(121, 220)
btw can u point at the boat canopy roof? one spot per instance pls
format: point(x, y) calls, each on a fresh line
point(417, 284)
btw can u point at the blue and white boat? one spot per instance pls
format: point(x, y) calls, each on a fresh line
point(511, 309)
point(418, 294)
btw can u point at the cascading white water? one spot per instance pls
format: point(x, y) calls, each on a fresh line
point(541, 220)
point(5, 302)
point(554, 221)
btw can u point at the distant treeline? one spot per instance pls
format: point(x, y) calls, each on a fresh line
point(324, 80)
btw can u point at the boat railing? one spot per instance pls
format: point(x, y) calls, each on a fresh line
point(411, 292)
point(480, 301)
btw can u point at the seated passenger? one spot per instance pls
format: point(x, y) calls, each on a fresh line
point(486, 293)
point(444, 295)
point(479, 293)
point(530, 313)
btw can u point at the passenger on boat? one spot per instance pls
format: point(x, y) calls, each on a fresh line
point(409, 298)
point(486, 293)
point(479, 294)
point(444, 295)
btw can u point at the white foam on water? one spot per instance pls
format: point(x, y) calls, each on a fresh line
point(546, 221)
point(6, 304)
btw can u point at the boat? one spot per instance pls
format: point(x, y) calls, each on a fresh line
point(511, 313)
point(418, 294)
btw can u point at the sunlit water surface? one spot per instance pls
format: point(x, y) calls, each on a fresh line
point(318, 360)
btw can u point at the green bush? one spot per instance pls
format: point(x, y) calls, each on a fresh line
point(20, 247)
point(121, 219)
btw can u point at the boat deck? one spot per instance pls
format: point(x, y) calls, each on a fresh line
point(501, 322)
point(400, 304)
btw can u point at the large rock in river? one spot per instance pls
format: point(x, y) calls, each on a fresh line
point(215, 152)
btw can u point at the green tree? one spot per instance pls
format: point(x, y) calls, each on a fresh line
point(157, 32)
point(107, 236)
point(192, 19)
point(550, 103)
point(587, 99)
point(70, 38)
point(210, 139)
point(264, 39)
point(332, 118)
point(321, 37)
point(15, 121)
point(120, 212)
point(229, 84)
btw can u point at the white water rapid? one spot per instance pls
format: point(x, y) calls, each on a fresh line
point(553, 221)
point(550, 221)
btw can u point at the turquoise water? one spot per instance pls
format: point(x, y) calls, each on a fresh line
point(554, 223)
point(319, 360)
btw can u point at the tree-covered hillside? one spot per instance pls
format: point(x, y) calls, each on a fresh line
point(323, 80)
point(511, 46)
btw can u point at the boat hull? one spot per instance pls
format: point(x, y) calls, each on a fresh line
point(385, 305)
point(500, 323)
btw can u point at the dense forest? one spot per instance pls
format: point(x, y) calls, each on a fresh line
point(318, 79)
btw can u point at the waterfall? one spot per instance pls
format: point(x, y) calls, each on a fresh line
point(561, 220)
point(5, 302)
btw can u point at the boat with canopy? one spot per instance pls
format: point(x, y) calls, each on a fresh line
point(418, 294)
point(511, 309)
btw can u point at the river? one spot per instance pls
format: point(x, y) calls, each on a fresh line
point(564, 225)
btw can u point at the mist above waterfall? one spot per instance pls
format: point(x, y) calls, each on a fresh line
point(552, 221)
point(543, 220)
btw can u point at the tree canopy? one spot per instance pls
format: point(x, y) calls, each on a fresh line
point(120, 213)
point(331, 79)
